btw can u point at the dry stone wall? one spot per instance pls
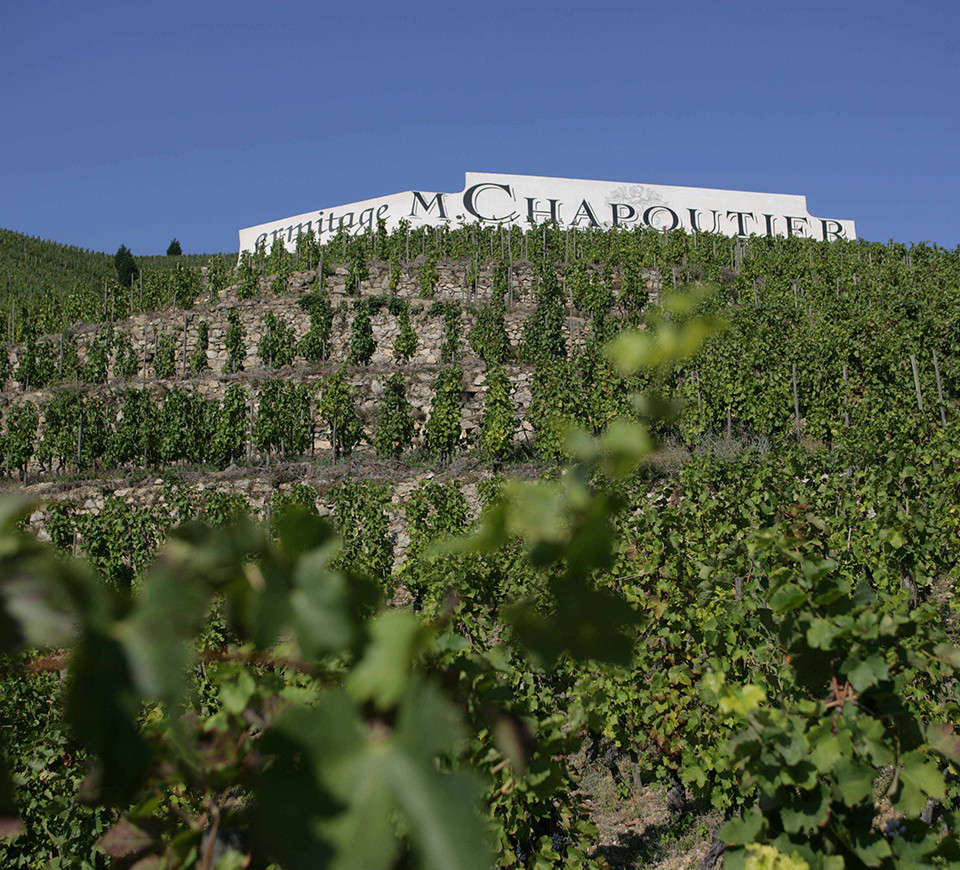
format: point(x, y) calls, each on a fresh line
point(259, 484)
point(144, 331)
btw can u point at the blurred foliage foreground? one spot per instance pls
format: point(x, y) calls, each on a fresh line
point(253, 702)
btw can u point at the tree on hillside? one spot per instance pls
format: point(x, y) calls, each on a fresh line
point(125, 265)
point(174, 249)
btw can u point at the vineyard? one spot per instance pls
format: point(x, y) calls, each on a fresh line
point(473, 548)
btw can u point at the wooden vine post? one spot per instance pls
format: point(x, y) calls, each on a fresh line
point(846, 398)
point(183, 368)
point(916, 381)
point(943, 411)
point(796, 400)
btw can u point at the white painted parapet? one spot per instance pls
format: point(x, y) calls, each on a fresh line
point(494, 200)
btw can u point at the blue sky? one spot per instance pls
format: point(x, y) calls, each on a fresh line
point(137, 122)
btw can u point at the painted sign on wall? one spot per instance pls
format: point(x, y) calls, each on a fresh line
point(493, 200)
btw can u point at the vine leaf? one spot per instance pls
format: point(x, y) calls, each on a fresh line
point(854, 781)
point(384, 672)
point(944, 741)
point(739, 832)
point(10, 824)
point(124, 839)
point(104, 709)
point(354, 776)
point(920, 778)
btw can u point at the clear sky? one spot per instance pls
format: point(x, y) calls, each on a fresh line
point(135, 122)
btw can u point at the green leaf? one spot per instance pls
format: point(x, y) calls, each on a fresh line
point(40, 608)
point(944, 741)
point(866, 673)
point(323, 604)
point(826, 752)
point(364, 834)
point(741, 700)
point(633, 350)
point(104, 709)
point(338, 782)
point(920, 778)
point(740, 832)
point(821, 633)
point(588, 623)
point(854, 781)
point(948, 653)
point(623, 444)
point(806, 812)
point(10, 824)
point(442, 809)
point(788, 597)
point(124, 839)
point(384, 672)
point(235, 694)
point(292, 800)
point(158, 647)
point(694, 775)
point(869, 846)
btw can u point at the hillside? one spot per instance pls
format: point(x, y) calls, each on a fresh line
point(782, 564)
point(55, 285)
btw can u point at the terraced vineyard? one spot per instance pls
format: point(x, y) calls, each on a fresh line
point(647, 544)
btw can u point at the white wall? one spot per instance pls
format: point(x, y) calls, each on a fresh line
point(492, 199)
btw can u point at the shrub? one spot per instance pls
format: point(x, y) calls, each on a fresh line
point(357, 265)
point(315, 345)
point(443, 427)
point(230, 430)
point(164, 359)
point(185, 426)
point(277, 346)
point(94, 370)
point(234, 343)
point(429, 275)
point(543, 332)
point(131, 439)
point(394, 429)
point(499, 422)
point(489, 335)
point(450, 347)
point(198, 359)
point(20, 437)
point(358, 506)
point(283, 418)
point(337, 410)
point(300, 499)
point(361, 338)
point(405, 344)
point(125, 362)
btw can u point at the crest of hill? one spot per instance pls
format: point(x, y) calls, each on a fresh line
point(41, 271)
